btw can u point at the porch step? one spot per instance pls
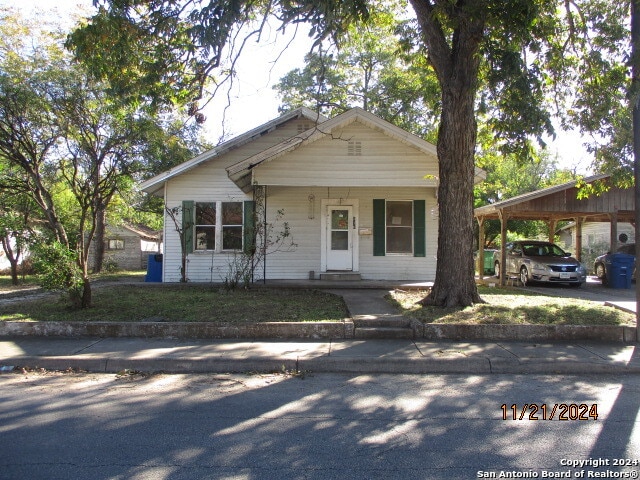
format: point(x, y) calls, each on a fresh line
point(383, 333)
point(393, 322)
point(340, 276)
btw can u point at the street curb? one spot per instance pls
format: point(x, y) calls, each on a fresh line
point(480, 365)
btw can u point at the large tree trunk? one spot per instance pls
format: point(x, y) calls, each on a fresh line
point(456, 60)
point(455, 280)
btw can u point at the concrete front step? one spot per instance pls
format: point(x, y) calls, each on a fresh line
point(381, 323)
point(341, 276)
point(383, 333)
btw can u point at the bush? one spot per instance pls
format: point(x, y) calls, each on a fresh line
point(57, 269)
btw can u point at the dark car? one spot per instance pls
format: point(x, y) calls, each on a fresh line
point(599, 264)
point(538, 261)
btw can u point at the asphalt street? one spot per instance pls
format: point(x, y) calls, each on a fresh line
point(323, 426)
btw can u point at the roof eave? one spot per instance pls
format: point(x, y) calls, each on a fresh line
point(155, 184)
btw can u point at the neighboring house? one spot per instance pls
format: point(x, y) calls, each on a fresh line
point(595, 236)
point(127, 247)
point(358, 196)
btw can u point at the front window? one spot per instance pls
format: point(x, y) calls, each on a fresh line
point(115, 244)
point(399, 227)
point(218, 226)
point(205, 226)
point(232, 225)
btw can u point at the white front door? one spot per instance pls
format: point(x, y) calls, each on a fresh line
point(339, 244)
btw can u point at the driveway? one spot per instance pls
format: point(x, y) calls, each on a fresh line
point(592, 290)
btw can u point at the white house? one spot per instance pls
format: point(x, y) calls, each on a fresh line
point(596, 236)
point(358, 195)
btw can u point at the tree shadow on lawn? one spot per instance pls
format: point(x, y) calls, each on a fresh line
point(517, 309)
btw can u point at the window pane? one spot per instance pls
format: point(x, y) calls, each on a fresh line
point(232, 213)
point(205, 213)
point(205, 238)
point(399, 214)
point(340, 240)
point(231, 238)
point(399, 240)
point(115, 244)
point(339, 219)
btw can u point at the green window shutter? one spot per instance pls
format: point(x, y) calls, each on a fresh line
point(249, 222)
point(188, 225)
point(419, 228)
point(379, 248)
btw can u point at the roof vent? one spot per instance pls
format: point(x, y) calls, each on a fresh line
point(354, 149)
point(303, 127)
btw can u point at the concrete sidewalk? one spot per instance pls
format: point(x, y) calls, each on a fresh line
point(349, 356)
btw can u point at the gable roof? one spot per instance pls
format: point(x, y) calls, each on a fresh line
point(240, 173)
point(154, 185)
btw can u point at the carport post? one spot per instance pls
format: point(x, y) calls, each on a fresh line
point(480, 260)
point(503, 247)
point(613, 241)
point(551, 225)
point(578, 252)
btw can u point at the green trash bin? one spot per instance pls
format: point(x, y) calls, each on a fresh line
point(488, 261)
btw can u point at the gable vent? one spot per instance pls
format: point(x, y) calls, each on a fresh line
point(354, 149)
point(303, 127)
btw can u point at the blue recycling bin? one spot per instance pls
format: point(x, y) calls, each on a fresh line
point(619, 270)
point(154, 268)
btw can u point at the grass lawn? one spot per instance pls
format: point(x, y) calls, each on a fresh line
point(130, 302)
point(192, 303)
point(513, 306)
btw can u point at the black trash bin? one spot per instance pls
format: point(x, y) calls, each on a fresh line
point(154, 268)
point(619, 270)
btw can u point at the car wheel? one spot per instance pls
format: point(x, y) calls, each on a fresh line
point(600, 271)
point(524, 275)
point(496, 270)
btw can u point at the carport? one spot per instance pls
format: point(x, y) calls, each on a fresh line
point(557, 203)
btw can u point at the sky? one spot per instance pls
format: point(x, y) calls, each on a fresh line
point(253, 100)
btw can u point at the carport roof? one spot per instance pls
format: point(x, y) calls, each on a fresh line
point(561, 202)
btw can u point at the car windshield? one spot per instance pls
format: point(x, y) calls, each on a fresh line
point(542, 250)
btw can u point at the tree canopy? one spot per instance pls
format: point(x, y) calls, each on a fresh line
point(67, 146)
point(515, 62)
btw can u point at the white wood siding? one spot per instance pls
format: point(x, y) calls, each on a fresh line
point(209, 182)
point(307, 172)
point(596, 235)
point(382, 161)
point(306, 233)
